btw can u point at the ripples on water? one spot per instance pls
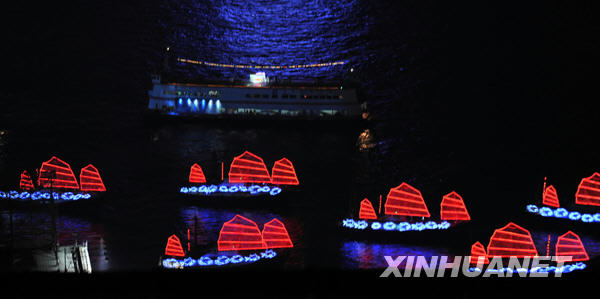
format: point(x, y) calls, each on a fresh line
point(269, 33)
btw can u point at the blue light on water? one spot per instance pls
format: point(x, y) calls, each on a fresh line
point(563, 213)
point(203, 104)
point(271, 33)
point(221, 260)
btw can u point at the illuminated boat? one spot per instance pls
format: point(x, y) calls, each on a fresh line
point(240, 242)
point(585, 208)
point(257, 99)
point(513, 240)
point(55, 181)
point(248, 177)
point(405, 210)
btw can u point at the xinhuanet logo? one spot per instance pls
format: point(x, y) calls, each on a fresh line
point(440, 266)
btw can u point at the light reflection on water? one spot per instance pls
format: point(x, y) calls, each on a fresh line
point(366, 255)
point(31, 230)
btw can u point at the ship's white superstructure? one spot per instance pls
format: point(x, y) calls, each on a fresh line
point(253, 100)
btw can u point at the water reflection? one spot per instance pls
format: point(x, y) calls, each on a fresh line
point(26, 231)
point(365, 140)
point(365, 255)
point(269, 33)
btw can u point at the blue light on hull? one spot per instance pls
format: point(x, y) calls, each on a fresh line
point(223, 188)
point(208, 260)
point(39, 195)
point(563, 213)
point(393, 226)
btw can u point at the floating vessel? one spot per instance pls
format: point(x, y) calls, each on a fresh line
point(240, 242)
point(257, 99)
point(404, 203)
point(248, 177)
point(513, 240)
point(587, 201)
point(55, 181)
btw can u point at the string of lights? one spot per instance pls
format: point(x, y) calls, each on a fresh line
point(563, 213)
point(40, 195)
point(210, 189)
point(392, 226)
point(221, 260)
point(271, 67)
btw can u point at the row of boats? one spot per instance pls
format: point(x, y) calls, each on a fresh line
point(241, 241)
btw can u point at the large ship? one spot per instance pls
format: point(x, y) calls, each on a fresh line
point(257, 98)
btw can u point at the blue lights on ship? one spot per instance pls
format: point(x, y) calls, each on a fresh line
point(221, 260)
point(392, 226)
point(563, 213)
point(43, 195)
point(224, 188)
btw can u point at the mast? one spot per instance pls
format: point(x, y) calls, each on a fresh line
point(544, 188)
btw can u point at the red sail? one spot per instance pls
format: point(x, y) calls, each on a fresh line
point(453, 207)
point(90, 179)
point(550, 197)
point(366, 210)
point(174, 247)
point(196, 174)
point(26, 182)
point(57, 174)
point(569, 244)
point(405, 200)
point(588, 192)
point(511, 240)
point(248, 168)
point(283, 173)
point(275, 235)
point(240, 233)
point(477, 250)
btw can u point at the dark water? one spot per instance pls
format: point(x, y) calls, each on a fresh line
point(484, 100)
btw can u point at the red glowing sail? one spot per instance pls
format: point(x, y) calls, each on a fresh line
point(477, 250)
point(283, 173)
point(569, 244)
point(275, 235)
point(248, 168)
point(57, 174)
point(240, 233)
point(511, 240)
point(453, 207)
point(174, 247)
point(405, 200)
point(366, 210)
point(196, 174)
point(588, 192)
point(26, 182)
point(550, 197)
point(90, 179)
